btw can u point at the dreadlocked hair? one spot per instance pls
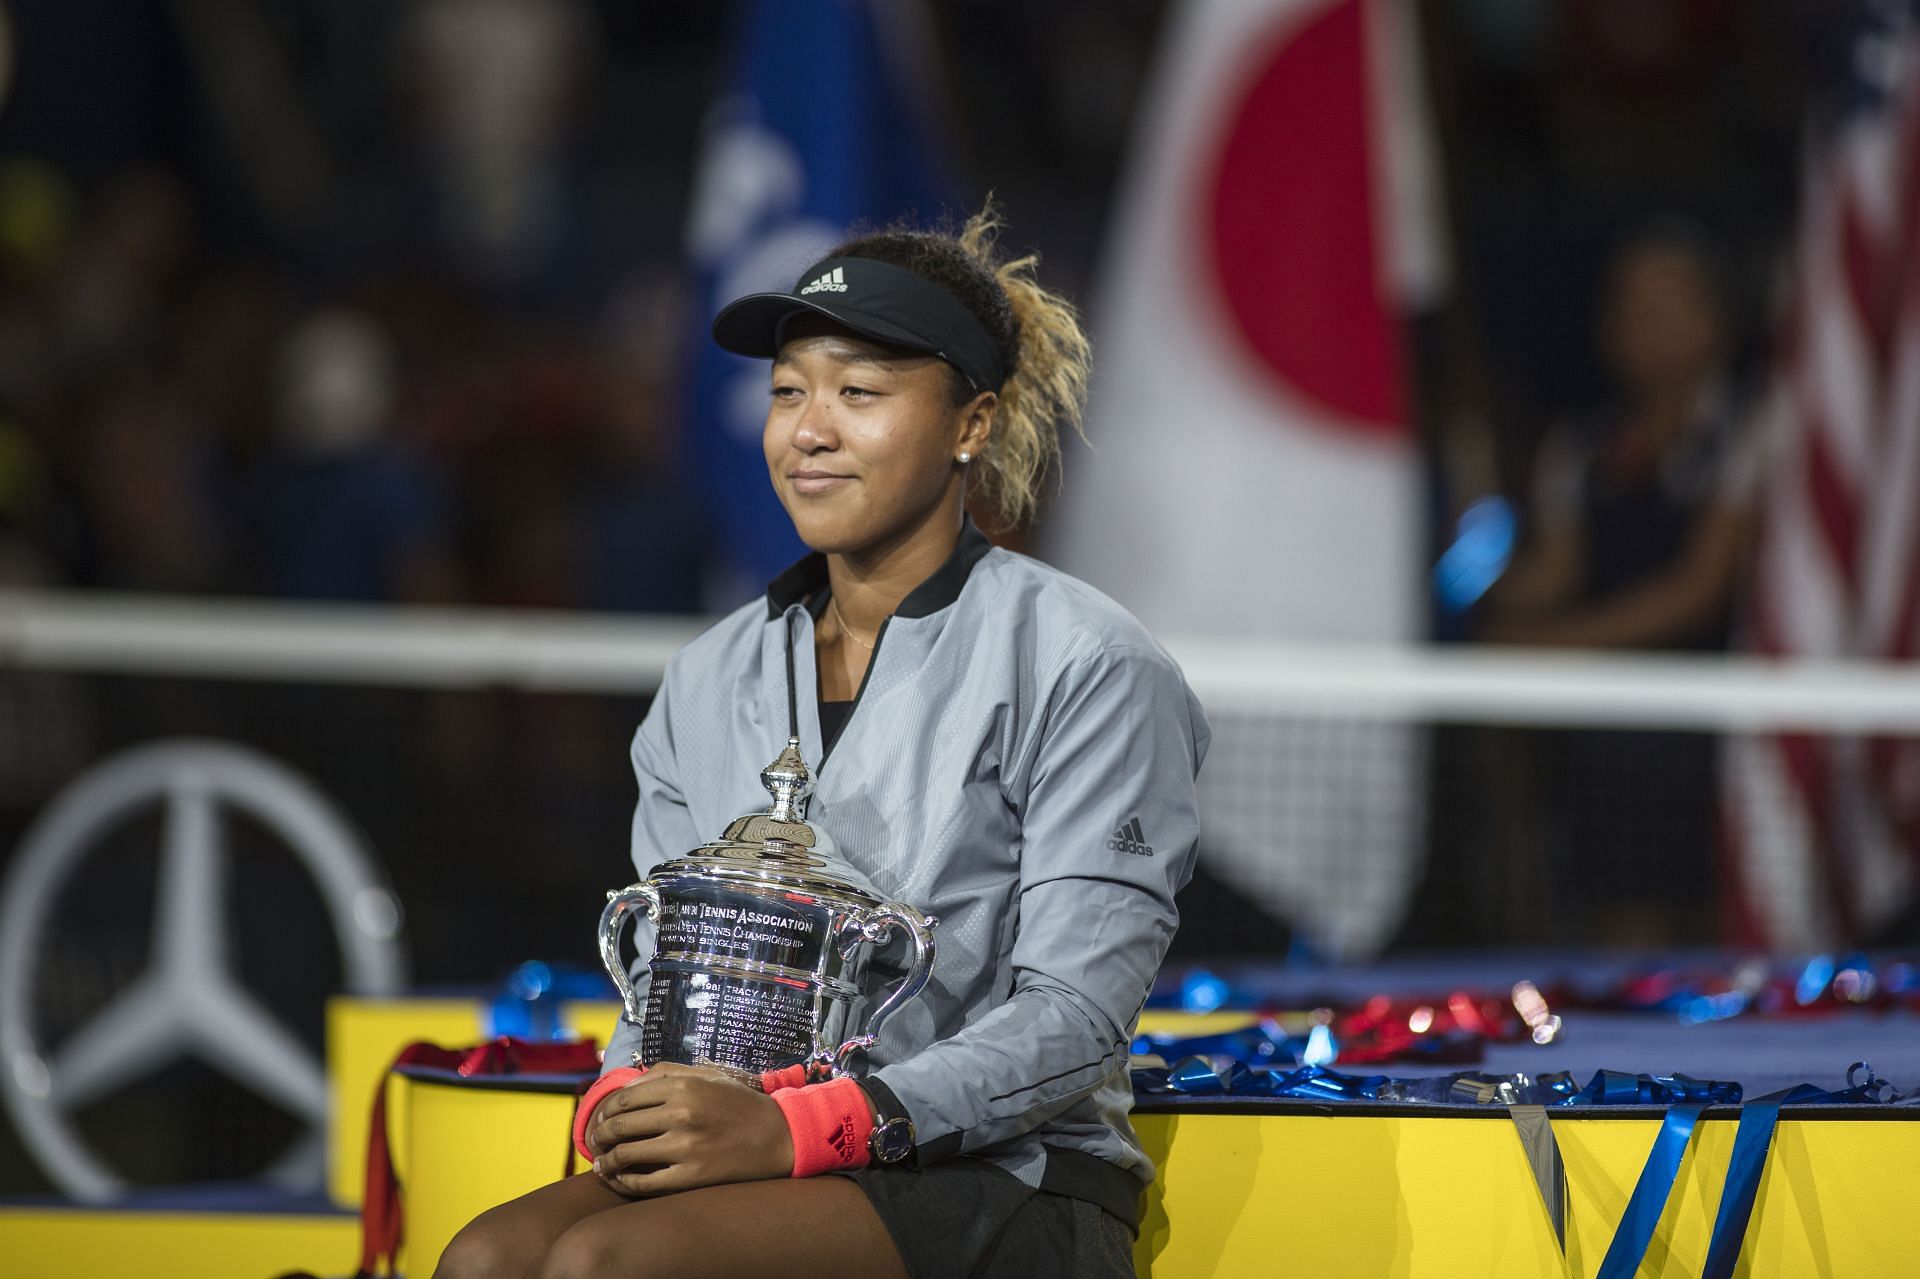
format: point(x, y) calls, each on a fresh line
point(1041, 344)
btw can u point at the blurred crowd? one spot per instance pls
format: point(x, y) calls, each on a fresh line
point(354, 300)
point(174, 424)
point(436, 387)
point(360, 301)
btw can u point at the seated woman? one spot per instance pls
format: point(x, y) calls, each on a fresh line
point(1641, 517)
point(999, 744)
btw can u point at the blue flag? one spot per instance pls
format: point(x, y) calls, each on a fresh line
point(822, 125)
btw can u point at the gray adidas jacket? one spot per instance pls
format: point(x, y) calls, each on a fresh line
point(1020, 762)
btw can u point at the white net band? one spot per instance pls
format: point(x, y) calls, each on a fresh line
point(430, 647)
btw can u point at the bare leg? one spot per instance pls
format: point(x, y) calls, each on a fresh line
point(796, 1229)
point(511, 1241)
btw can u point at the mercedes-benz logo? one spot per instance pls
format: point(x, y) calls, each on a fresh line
point(187, 1002)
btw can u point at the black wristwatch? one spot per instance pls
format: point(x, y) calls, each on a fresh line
point(892, 1140)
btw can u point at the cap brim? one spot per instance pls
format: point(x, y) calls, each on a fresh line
point(751, 325)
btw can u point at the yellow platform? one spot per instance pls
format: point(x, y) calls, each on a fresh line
point(1253, 1193)
point(92, 1243)
point(1296, 1192)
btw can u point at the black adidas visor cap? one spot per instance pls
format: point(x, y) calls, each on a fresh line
point(876, 300)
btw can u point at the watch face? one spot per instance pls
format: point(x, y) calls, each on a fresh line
point(892, 1141)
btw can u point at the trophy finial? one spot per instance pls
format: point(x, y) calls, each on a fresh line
point(790, 782)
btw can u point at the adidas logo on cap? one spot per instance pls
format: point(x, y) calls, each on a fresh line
point(833, 281)
point(1131, 839)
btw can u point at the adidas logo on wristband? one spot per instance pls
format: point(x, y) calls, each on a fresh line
point(844, 1142)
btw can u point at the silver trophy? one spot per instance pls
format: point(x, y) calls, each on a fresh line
point(760, 955)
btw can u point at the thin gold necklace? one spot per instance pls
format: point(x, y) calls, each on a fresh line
point(846, 630)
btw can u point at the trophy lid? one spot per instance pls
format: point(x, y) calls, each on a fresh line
point(778, 842)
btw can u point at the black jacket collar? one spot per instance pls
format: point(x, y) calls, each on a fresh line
point(808, 578)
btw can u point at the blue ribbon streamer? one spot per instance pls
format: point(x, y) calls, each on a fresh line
point(1317, 1083)
point(1650, 1193)
point(1203, 1076)
point(1750, 1144)
point(1216, 1074)
point(1617, 1088)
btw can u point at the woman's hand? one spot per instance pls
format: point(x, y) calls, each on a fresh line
point(678, 1127)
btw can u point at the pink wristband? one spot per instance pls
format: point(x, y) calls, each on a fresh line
point(611, 1082)
point(830, 1123)
point(794, 1076)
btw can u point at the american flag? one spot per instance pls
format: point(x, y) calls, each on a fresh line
point(1822, 832)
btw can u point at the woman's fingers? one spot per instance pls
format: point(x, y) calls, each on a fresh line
point(660, 1165)
point(678, 1129)
point(657, 1087)
point(609, 1128)
point(648, 1090)
point(662, 1181)
point(639, 1153)
point(631, 1125)
point(662, 1083)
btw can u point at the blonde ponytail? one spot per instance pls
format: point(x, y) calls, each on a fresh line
point(1047, 388)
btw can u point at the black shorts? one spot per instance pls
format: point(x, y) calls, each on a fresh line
point(962, 1218)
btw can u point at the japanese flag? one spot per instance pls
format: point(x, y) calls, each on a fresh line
point(1254, 471)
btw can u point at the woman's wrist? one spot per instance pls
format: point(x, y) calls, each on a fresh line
point(605, 1086)
point(831, 1125)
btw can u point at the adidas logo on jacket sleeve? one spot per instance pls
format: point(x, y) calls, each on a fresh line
point(1130, 839)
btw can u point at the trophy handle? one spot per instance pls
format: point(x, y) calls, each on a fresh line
point(647, 898)
point(875, 924)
